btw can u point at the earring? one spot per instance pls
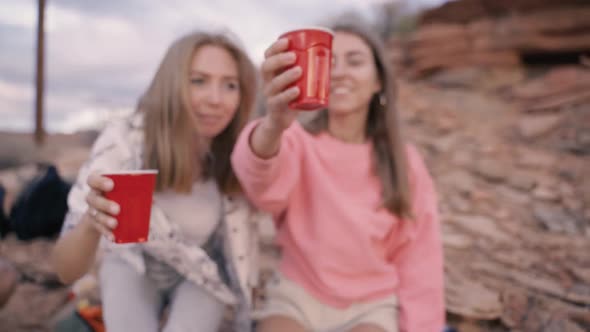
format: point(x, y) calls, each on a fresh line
point(382, 100)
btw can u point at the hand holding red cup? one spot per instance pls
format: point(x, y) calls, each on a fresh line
point(121, 209)
point(313, 51)
point(296, 76)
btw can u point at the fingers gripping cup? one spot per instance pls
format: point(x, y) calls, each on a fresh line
point(313, 48)
point(133, 192)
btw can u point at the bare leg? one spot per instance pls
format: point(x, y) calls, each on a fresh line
point(280, 324)
point(364, 327)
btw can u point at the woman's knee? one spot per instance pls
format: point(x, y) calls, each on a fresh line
point(193, 308)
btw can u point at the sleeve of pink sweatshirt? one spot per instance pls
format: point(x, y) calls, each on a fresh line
point(268, 182)
point(420, 263)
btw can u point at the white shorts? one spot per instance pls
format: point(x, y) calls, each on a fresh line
point(285, 298)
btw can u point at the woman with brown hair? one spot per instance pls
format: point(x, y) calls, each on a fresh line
point(354, 204)
point(199, 256)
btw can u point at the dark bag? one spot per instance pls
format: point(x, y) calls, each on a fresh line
point(3, 219)
point(40, 208)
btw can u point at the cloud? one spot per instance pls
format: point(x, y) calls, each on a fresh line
point(18, 13)
point(16, 101)
point(17, 53)
point(123, 9)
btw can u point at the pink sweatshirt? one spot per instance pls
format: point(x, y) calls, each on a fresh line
point(338, 243)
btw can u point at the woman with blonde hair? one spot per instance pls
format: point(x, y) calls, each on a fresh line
point(354, 204)
point(199, 255)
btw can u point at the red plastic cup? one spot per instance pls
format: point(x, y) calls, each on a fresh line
point(313, 48)
point(133, 191)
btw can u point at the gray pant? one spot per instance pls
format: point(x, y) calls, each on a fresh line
point(132, 302)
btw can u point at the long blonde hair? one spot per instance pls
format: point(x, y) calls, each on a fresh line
point(170, 143)
point(383, 128)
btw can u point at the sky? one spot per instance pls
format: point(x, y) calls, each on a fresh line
point(101, 55)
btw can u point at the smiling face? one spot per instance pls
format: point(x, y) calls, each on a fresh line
point(214, 90)
point(354, 79)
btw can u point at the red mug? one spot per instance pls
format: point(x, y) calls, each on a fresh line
point(313, 49)
point(133, 191)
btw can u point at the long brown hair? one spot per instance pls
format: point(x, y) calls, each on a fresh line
point(383, 128)
point(170, 143)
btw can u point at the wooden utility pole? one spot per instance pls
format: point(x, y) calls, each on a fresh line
point(39, 129)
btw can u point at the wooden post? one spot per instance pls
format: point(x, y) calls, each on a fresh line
point(39, 129)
